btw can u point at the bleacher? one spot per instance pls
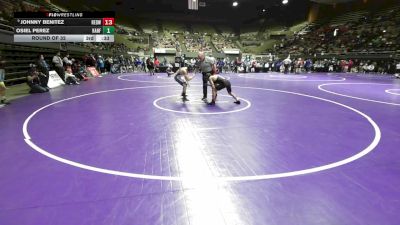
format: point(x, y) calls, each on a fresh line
point(172, 27)
point(197, 42)
point(222, 42)
point(357, 33)
point(148, 26)
point(51, 6)
point(134, 42)
point(385, 12)
point(348, 17)
point(203, 29)
point(130, 36)
point(19, 56)
point(304, 38)
point(250, 39)
point(6, 27)
point(164, 40)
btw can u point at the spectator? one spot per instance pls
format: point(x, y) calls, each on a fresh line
point(42, 65)
point(79, 70)
point(85, 58)
point(398, 69)
point(237, 63)
point(220, 65)
point(308, 65)
point(90, 61)
point(138, 64)
point(156, 64)
point(58, 65)
point(2, 85)
point(350, 65)
point(122, 64)
point(286, 63)
point(66, 59)
point(150, 66)
point(365, 67)
point(100, 64)
point(299, 65)
point(108, 64)
point(43, 69)
point(69, 76)
point(34, 82)
point(144, 64)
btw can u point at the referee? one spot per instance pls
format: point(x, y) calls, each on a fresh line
point(207, 66)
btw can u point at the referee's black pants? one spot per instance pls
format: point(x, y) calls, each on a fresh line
point(206, 76)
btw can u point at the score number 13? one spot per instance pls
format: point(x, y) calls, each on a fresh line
point(108, 21)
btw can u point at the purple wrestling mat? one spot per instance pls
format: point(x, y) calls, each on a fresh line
point(124, 149)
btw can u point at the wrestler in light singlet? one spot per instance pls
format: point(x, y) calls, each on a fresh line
point(182, 77)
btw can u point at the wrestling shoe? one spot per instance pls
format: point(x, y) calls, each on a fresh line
point(184, 97)
point(4, 102)
point(211, 103)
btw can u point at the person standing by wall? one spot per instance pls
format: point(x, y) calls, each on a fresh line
point(150, 66)
point(34, 82)
point(100, 64)
point(59, 65)
point(398, 69)
point(156, 65)
point(2, 85)
point(66, 59)
point(43, 69)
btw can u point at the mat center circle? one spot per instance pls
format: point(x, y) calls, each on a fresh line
point(224, 104)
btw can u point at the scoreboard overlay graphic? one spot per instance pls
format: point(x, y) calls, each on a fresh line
point(64, 26)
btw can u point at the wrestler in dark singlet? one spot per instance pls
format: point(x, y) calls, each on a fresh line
point(218, 83)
